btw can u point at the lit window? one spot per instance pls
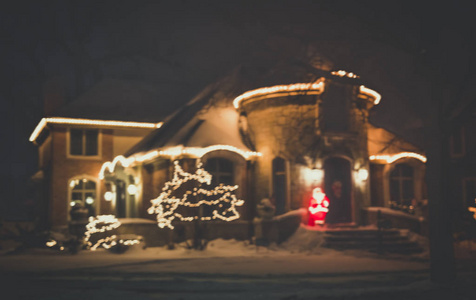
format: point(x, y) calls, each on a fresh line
point(469, 191)
point(83, 142)
point(402, 187)
point(221, 170)
point(83, 194)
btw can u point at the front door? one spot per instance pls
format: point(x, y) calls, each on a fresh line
point(338, 186)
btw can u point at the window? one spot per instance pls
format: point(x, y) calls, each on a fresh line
point(279, 184)
point(221, 170)
point(469, 192)
point(83, 142)
point(401, 187)
point(83, 194)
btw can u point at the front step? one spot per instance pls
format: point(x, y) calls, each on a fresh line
point(388, 240)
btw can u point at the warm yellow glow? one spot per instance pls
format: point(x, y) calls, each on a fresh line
point(391, 158)
point(282, 90)
point(473, 210)
point(51, 243)
point(363, 174)
point(199, 152)
point(38, 129)
point(313, 174)
point(343, 73)
point(371, 93)
point(73, 121)
point(109, 223)
point(129, 242)
point(110, 166)
point(171, 152)
point(108, 196)
point(132, 189)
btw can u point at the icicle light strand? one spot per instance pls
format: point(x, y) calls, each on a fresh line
point(391, 158)
point(171, 152)
point(73, 121)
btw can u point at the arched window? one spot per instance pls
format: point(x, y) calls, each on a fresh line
point(402, 186)
point(221, 170)
point(279, 184)
point(83, 194)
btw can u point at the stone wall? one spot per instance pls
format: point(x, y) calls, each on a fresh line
point(292, 127)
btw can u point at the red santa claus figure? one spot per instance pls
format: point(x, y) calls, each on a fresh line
point(318, 207)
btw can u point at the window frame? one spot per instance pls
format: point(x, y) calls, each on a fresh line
point(97, 200)
point(221, 173)
point(239, 169)
point(401, 179)
point(83, 156)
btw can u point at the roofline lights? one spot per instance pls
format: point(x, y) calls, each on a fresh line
point(172, 152)
point(371, 93)
point(342, 73)
point(74, 121)
point(391, 158)
point(279, 90)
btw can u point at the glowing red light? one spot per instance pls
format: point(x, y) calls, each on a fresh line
point(318, 207)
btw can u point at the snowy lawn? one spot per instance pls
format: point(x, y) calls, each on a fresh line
point(298, 269)
point(301, 254)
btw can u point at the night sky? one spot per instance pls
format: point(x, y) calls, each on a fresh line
point(399, 49)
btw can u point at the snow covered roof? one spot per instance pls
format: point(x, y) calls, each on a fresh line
point(208, 119)
point(124, 100)
point(382, 142)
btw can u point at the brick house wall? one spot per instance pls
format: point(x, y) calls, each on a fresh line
point(64, 167)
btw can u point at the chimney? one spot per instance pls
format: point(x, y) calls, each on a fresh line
point(53, 95)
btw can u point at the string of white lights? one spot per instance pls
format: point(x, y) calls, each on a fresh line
point(316, 87)
point(166, 205)
point(391, 158)
point(74, 121)
point(342, 73)
point(171, 152)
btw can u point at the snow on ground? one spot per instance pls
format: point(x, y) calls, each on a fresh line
point(301, 254)
point(296, 269)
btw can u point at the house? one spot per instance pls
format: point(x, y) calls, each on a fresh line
point(74, 143)
point(274, 135)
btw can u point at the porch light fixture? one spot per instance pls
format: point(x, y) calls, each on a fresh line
point(89, 200)
point(108, 196)
point(363, 174)
point(314, 174)
point(132, 189)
